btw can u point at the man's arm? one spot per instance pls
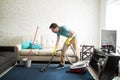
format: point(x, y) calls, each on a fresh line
point(56, 45)
point(57, 42)
point(72, 34)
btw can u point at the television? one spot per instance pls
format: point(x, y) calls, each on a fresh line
point(108, 40)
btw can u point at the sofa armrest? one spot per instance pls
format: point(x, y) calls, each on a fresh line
point(8, 48)
point(19, 47)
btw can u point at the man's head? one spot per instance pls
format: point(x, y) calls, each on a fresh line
point(54, 27)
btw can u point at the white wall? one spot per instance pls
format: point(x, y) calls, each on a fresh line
point(21, 17)
point(102, 18)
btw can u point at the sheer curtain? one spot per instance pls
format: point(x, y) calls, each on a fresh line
point(113, 17)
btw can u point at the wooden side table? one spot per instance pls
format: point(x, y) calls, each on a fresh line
point(86, 52)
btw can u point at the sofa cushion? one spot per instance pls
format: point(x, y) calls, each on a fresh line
point(45, 52)
point(2, 60)
point(7, 55)
point(26, 52)
point(37, 46)
point(48, 52)
point(48, 41)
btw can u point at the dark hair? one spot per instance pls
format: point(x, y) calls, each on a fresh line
point(53, 25)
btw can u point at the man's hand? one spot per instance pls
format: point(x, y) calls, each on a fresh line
point(54, 50)
point(67, 42)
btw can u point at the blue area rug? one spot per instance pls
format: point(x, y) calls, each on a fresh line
point(33, 73)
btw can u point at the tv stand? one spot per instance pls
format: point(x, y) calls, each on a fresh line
point(104, 66)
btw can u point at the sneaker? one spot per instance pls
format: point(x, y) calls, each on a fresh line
point(60, 66)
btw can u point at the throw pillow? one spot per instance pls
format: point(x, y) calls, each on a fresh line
point(26, 44)
point(37, 46)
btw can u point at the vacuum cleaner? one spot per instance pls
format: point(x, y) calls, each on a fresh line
point(78, 67)
point(45, 67)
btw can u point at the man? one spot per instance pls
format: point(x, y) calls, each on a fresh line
point(71, 39)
